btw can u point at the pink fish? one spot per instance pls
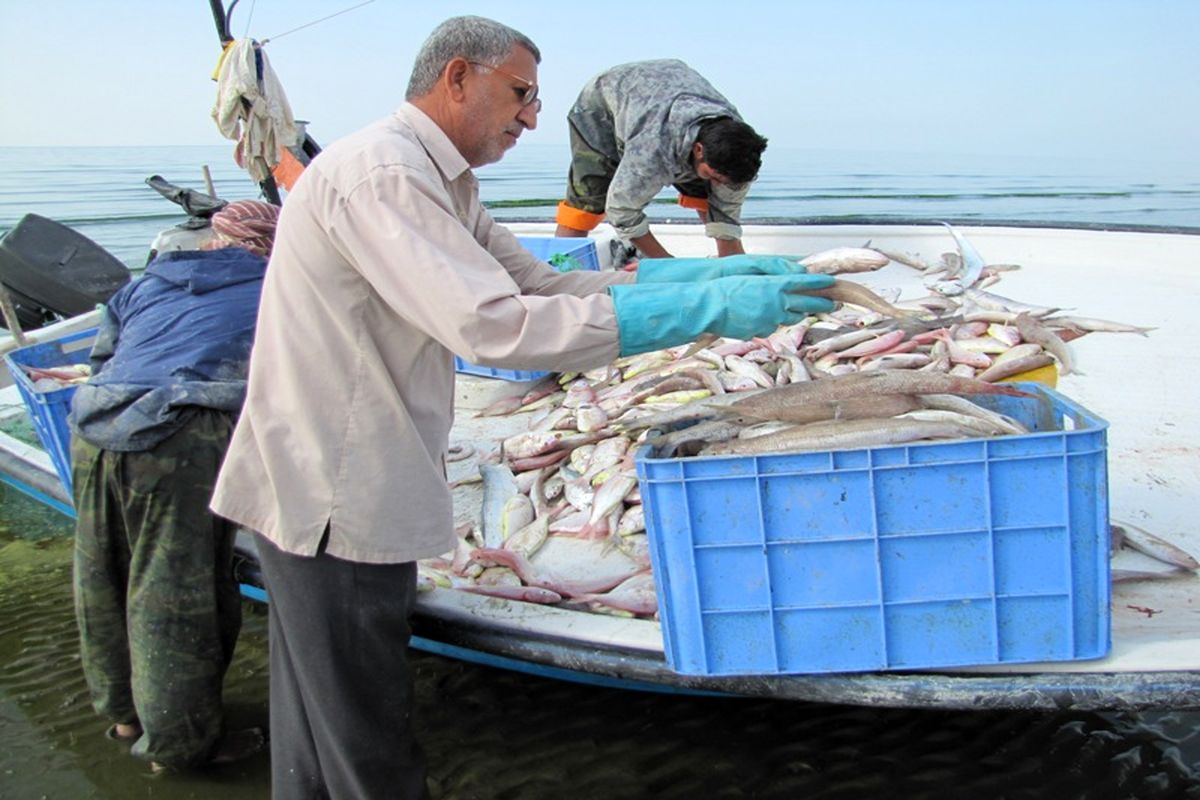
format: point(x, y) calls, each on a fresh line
point(635, 595)
point(872, 346)
point(531, 575)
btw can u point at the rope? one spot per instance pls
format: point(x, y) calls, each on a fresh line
point(249, 17)
point(315, 21)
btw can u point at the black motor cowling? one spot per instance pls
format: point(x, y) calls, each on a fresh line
point(52, 272)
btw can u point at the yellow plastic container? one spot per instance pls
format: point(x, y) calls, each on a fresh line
point(1047, 376)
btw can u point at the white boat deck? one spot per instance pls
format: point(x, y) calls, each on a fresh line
point(1143, 386)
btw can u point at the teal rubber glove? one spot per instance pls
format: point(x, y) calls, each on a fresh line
point(685, 270)
point(657, 315)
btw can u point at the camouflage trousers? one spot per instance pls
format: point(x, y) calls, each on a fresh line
point(155, 598)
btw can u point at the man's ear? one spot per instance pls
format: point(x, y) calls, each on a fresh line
point(697, 153)
point(455, 77)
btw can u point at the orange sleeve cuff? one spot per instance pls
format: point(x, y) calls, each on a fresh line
point(288, 170)
point(695, 203)
point(577, 218)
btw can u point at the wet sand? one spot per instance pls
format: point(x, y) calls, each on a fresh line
point(495, 734)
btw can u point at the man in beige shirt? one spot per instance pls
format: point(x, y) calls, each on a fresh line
point(391, 266)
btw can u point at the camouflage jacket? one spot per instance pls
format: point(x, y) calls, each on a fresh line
point(645, 116)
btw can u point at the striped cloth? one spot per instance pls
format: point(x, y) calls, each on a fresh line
point(249, 224)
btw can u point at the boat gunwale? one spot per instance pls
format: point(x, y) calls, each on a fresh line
point(1092, 691)
point(933, 222)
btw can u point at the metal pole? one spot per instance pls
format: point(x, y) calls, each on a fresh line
point(221, 19)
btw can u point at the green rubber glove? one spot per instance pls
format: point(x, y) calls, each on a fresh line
point(657, 315)
point(685, 270)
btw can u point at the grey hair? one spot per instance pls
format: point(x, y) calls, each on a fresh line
point(473, 38)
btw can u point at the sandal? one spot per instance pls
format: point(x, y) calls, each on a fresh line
point(231, 747)
point(236, 745)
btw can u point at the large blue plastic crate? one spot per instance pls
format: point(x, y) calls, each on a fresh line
point(564, 254)
point(959, 553)
point(49, 410)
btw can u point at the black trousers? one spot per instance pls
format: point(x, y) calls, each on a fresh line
point(341, 688)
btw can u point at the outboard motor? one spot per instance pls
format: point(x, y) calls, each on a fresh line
point(193, 233)
point(53, 272)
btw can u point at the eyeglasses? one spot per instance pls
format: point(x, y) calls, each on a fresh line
point(528, 95)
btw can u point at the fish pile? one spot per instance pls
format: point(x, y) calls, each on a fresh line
point(562, 521)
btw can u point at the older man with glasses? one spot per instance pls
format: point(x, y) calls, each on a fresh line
point(338, 459)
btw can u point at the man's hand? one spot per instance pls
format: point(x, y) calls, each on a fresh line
point(650, 247)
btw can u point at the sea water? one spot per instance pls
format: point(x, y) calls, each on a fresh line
point(495, 734)
point(101, 191)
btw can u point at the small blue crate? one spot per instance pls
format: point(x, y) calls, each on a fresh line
point(49, 410)
point(939, 554)
point(564, 254)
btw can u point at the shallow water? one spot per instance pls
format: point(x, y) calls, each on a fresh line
point(496, 734)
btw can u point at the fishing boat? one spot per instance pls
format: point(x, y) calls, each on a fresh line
point(1140, 385)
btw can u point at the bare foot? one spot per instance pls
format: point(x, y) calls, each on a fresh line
point(124, 732)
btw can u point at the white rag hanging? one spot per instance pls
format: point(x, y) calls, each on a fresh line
point(264, 122)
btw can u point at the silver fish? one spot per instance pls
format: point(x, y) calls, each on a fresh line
point(766, 404)
point(993, 302)
point(843, 291)
point(1155, 546)
point(1034, 331)
point(903, 258)
point(1132, 575)
point(861, 407)
point(704, 432)
point(1090, 324)
point(972, 262)
point(844, 259)
point(952, 402)
point(499, 486)
point(841, 435)
point(968, 422)
point(528, 594)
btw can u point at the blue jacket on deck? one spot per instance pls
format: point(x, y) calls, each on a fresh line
point(177, 338)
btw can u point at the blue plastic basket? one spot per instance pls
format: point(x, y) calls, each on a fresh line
point(969, 552)
point(49, 410)
point(564, 254)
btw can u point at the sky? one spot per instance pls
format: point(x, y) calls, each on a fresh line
point(1054, 78)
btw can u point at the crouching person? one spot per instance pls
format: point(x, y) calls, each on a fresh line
point(157, 605)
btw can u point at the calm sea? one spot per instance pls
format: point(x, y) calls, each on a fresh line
point(101, 192)
point(496, 734)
